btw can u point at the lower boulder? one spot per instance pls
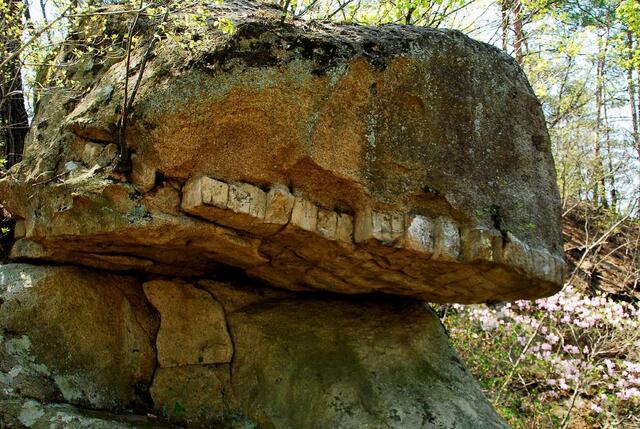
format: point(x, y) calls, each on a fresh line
point(337, 363)
point(306, 361)
point(222, 355)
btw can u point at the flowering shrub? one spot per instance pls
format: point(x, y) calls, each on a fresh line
point(555, 361)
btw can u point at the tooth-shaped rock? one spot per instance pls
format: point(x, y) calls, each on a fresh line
point(327, 224)
point(447, 240)
point(517, 254)
point(279, 205)
point(387, 227)
point(363, 226)
point(344, 229)
point(560, 268)
point(384, 227)
point(304, 214)
point(545, 266)
point(199, 194)
point(215, 193)
point(420, 234)
point(478, 244)
point(248, 200)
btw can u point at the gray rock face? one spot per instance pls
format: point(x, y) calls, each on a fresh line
point(28, 413)
point(356, 364)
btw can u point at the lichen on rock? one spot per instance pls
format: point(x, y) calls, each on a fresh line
point(68, 336)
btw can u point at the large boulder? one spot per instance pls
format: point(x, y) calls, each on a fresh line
point(229, 355)
point(296, 192)
point(351, 364)
point(401, 160)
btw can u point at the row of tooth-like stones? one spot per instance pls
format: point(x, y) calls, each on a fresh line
point(249, 208)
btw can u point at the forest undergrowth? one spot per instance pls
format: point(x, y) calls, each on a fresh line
point(571, 360)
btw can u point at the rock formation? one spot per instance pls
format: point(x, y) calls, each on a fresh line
point(297, 192)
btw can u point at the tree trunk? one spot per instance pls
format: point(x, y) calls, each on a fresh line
point(504, 24)
point(632, 96)
point(13, 114)
point(637, 101)
point(631, 89)
point(518, 42)
point(599, 184)
point(613, 192)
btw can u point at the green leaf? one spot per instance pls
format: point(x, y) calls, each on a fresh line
point(178, 409)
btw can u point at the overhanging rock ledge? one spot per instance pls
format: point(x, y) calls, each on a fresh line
point(400, 160)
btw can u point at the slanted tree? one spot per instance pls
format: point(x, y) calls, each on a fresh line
point(14, 123)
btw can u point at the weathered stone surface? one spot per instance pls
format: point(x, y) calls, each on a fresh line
point(142, 175)
point(193, 329)
point(376, 150)
point(419, 235)
point(194, 395)
point(27, 413)
point(234, 296)
point(447, 240)
point(351, 364)
point(74, 334)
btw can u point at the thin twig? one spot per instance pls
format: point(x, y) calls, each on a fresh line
point(306, 9)
point(340, 9)
point(124, 113)
point(127, 102)
point(567, 417)
point(143, 63)
point(520, 357)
